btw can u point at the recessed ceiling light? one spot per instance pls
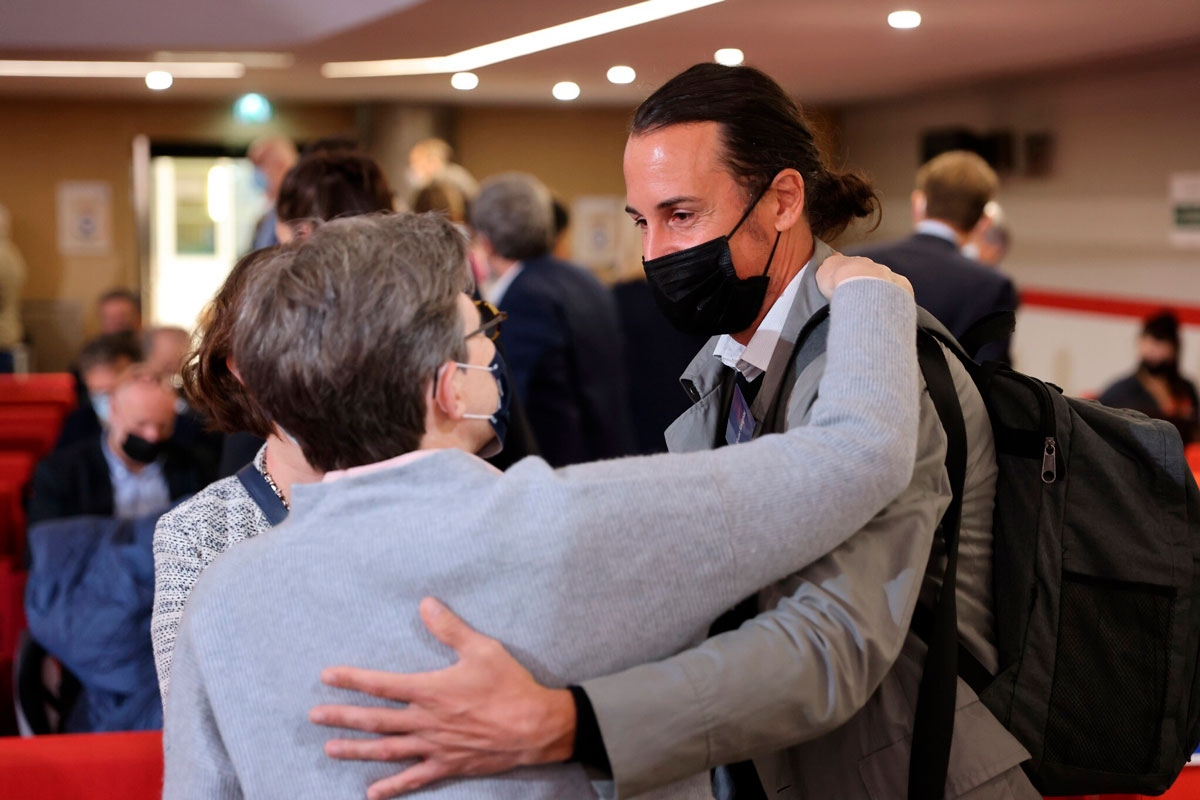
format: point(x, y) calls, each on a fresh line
point(565, 90)
point(621, 75)
point(159, 80)
point(729, 56)
point(464, 81)
point(533, 42)
point(904, 19)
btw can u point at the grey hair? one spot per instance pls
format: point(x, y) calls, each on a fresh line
point(515, 212)
point(338, 336)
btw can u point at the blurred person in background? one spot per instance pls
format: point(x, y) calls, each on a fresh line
point(119, 311)
point(12, 278)
point(991, 238)
point(101, 364)
point(129, 469)
point(948, 202)
point(272, 157)
point(164, 348)
point(563, 338)
point(443, 197)
point(234, 508)
point(430, 160)
point(328, 184)
point(1156, 388)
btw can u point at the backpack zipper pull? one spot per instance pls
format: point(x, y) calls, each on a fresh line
point(1049, 461)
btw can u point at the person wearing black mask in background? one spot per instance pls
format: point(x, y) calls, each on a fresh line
point(1156, 388)
point(129, 469)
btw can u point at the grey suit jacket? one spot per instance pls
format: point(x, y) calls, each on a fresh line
point(821, 686)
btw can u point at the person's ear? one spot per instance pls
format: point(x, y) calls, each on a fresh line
point(447, 391)
point(789, 191)
point(233, 370)
point(918, 205)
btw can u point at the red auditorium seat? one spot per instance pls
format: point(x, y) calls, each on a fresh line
point(16, 470)
point(1193, 456)
point(50, 388)
point(99, 766)
point(29, 427)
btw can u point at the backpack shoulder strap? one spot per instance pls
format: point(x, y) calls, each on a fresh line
point(933, 727)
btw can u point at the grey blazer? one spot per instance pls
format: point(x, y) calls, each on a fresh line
point(820, 687)
point(578, 572)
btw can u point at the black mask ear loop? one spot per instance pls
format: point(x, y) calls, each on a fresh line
point(746, 216)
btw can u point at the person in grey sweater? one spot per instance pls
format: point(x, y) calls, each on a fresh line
point(361, 345)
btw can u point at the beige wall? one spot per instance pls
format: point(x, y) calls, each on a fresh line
point(573, 151)
point(1100, 221)
point(45, 142)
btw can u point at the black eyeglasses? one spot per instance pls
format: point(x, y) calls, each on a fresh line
point(490, 318)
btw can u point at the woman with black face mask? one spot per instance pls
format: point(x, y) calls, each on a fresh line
point(1157, 388)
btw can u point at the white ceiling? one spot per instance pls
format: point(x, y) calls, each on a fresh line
point(824, 52)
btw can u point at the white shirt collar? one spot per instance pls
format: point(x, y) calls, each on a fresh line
point(935, 227)
point(752, 359)
point(495, 292)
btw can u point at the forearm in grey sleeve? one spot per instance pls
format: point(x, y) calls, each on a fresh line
point(196, 763)
point(742, 507)
point(793, 673)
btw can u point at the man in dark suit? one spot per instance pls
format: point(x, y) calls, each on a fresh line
point(562, 339)
point(130, 469)
point(952, 190)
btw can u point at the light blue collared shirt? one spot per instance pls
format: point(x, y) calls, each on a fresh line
point(935, 227)
point(136, 493)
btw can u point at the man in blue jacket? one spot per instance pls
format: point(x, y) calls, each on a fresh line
point(562, 339)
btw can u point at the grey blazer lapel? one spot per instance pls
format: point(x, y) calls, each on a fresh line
point(808, 301)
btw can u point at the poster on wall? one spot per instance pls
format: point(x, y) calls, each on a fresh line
point(603, 238)
point(1185, 209)
point(84, 218)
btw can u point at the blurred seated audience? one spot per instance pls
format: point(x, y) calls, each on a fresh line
point(323, 185)
point(432, 160)
point(272, 157)
point(129, 469)
point(101, 364)
point(119, 311)
point(238, 507)
point(562, 340)
point(88, 602)
point(991, 238)
point(12, 278)
point(952, 191)
point(1156, 388)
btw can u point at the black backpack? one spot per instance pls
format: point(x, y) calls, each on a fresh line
point(1096, 573)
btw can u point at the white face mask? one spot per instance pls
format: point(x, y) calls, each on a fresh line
point(101, 404)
